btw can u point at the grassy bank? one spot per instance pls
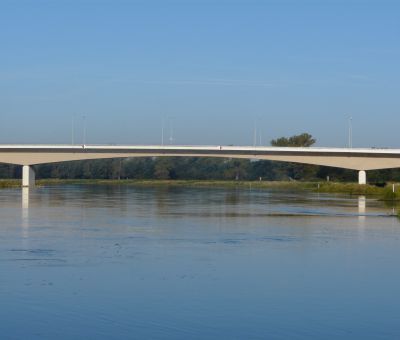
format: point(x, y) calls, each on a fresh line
point(185, 183)
point(10, 183)
point(350, 188)
point(383, 193)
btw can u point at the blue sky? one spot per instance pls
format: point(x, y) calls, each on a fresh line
point(208, 68)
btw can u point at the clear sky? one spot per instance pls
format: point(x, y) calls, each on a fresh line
point(211, 69)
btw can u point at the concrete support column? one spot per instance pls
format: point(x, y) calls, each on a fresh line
point(362, 177)
point(28, 176)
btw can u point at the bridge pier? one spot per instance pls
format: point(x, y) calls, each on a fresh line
point(362, 177)
point(28, 176)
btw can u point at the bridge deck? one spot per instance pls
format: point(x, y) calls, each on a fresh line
point(197, 149)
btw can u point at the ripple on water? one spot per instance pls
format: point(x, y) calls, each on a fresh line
point(39, 251)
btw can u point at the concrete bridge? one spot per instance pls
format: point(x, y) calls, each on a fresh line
point(347, 158)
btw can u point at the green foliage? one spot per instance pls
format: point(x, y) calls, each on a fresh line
point(9, 183)
point(350, 188)
point(291, 170)
point(389, 195)
point(302, 140)
point(10, 171)
point(164, 169)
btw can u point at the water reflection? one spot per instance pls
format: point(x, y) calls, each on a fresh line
point(107, 262)
point(25, 198)
point(362, 203)
point(204, 202)
point(361, 206)
point(25, 210)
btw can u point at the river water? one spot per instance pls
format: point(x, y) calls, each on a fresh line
point(109, 262)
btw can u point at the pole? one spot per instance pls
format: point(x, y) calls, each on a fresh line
point(350, 132)
point(72, 130)
point(84, 130)
point(171, 131)
point(255, 133)
point(162, 132)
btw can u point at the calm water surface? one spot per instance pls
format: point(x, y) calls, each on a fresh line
point(104, 262)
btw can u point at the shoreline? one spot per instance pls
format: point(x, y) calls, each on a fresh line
point(323, 187)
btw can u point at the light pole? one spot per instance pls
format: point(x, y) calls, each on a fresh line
point(72, 129)
point(84, 130)
point(255, 133)
point(350, 132)
point(162, 131)
point(171, 131)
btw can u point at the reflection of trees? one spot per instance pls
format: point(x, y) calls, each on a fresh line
point(232, 197)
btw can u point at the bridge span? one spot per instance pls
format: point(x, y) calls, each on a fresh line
point(348, 158)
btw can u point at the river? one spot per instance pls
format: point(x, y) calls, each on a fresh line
point(122, 262)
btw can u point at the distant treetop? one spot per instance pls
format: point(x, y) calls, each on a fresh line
point(302, 140)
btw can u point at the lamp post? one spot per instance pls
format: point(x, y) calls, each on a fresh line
point(162, 131)
point(171, 131)
point(350, 132)
point(84, 130)
point(73, 130)
point(255, 134)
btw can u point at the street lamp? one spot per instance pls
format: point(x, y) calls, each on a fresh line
point(350, 132)
point(84, 130)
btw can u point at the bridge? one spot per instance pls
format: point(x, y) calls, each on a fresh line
point(361, 160)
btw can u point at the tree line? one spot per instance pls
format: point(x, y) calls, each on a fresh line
point(191, 168)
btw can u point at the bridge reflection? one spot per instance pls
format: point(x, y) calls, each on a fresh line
point(25, 212)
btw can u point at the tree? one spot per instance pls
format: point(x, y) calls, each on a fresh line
point(142, 168)
point(302, 140)
point(293, 170)
point(236, 169)
point(164, 168)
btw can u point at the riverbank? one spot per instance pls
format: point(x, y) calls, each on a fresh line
point(10, 183)
point(384, 193)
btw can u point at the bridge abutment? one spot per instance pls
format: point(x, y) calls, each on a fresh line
point(362, 177)
point(28, 176)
